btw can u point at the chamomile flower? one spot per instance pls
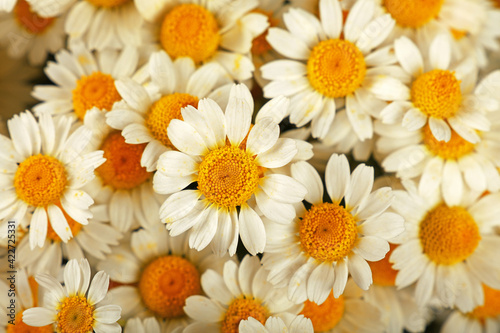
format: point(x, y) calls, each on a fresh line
point(157, 274)
point(84, 80)
point(331, 64)
point(100, 24)
point(72, 308)
point(206, 31)
point(440, 94)
point(144, 117)
point(239, 293)
point(328, 241)
point(23, 32)
point(232, 163)
point(43, 170)
point(347, 313)
point(297, 324)
point(483, 319)
point(448, 250)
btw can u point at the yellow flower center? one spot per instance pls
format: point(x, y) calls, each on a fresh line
point(122, 169)
point(73, 225)
point(190, 30)
point(437, 93)
point(326, 316)
point(108, 3)
point(166, 283)
point(95, 90)
point(75, 315)
point(413, 13)
point(40, 180)
point(453, 149)
point(260, 45)
point(327, 232)
point(449, 235)
point(491, 306)
point(228, 176)
point(382, 271)
point(336, 68)
point(241, 309)
point(163, 111)
point(458, 34)
point(29, 20)
point(20, 327)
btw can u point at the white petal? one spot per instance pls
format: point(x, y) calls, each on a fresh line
point(185, 138)
point(337, 177)
point(309, 177)
point(107, 314)
point(320, 283)
point(360, 271)
point(440, 129)
point(203, 309)
point(98, 288)
point(452, 184)
point(283, 188)
point(331, 18)
point(409, 56)
point(360, 186)
point(252, 231)
point(239, 112)
point(371, 248)
point(440, 52)
point(414, 119)
point(262, 136)
point(287, 44)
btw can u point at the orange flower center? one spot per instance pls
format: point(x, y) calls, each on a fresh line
point(29, 20)
point(382, 271)
point(326, 316)
point(108, 3)
point(260, 44)
point(491, 306)
point(241, 309)
point(413, 13)
point(76, 315)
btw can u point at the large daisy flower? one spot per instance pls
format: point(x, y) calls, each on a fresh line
point(331, 64)
point(296, 324)
point(448, 250)
point(206, 31)
point(71, 308)
point(231, 161)
point(84, 80)
point(440, 94)
point(144, 118)
point(157, 274)
point(328, 241)
point(25, 32)
point(239, 293)
point(100, 24)
point(44, 171)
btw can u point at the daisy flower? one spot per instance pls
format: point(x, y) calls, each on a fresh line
point(328, 241)
point(100, 24)
point(44, 169)
point(447, 250)
point(144, 118)
point(231, 161)
point(25, 32)
point(440, 94)
point(239, 293)
point(206, 31)
point(347, 313)
point(71, 308)
point(483, 319)
point(330, 64)
point(298, 324)
point(84, 80)
point(156, 276)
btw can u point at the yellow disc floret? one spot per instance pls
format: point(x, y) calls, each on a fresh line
point(491, 306)
point(382, 272)
point(327, 232)
point(95, 90)
point(413, 13)
point(163, 111)
point(453, 149)
point(189, 30)
point(75, 315)
point(40, 180)
point(437, 93)
point(336, 68)
point(448, 235)
point(73, 225)
point(108, 3)
point(228, 176)
point(29, 20)
point(122, 169)
point(166, 283)
point(241, 309)
point(326, 316)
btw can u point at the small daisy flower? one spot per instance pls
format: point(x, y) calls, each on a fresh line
point(71, 308)
point(447, 250)
point(331, 64)
point(483, 319)
point(347, 313)
point(100, 24)
point(157, 274)
point(144, 118)
point(84, 80)
point(299, 324)
point(239, 293)
point(328, 241)
point(206, 31)
point(25, 32)
point(231, 161)
point(440, 94)
point(43, 171)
